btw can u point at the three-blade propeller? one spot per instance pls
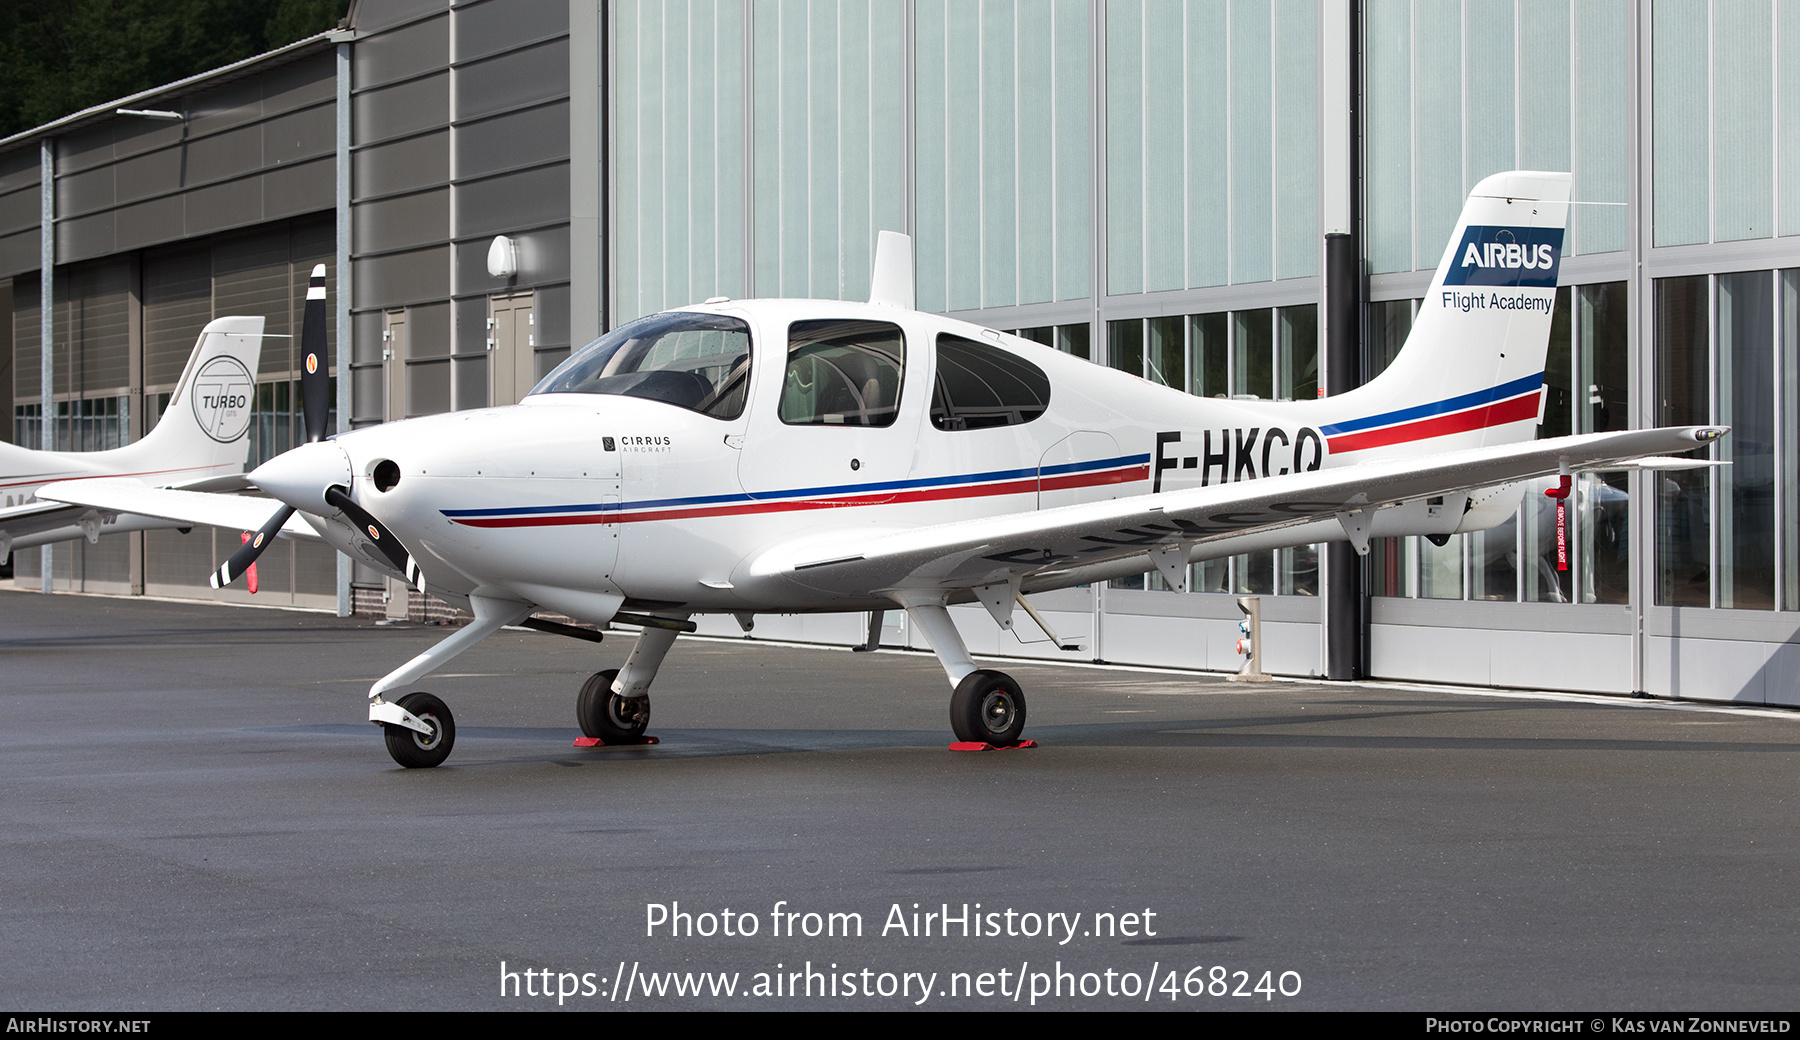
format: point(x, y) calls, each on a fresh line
point(315, 398)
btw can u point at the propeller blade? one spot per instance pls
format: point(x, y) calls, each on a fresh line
point(378, 534)
point(315, 376)
point(246, 555)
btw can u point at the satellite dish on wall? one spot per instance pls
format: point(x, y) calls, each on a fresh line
point(503, 257)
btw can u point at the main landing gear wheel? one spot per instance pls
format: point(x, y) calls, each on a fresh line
point(988, 708)
point(608, 717)
point(413, 749)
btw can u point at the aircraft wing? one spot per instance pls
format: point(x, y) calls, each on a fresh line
point(1034, 547)
point(232, 512)
point(18, 523)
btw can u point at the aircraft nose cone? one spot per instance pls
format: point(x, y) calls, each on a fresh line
point(300, 477)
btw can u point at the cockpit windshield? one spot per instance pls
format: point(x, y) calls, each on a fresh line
point(700, 362)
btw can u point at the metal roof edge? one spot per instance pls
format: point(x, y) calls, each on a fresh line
point(223, 74)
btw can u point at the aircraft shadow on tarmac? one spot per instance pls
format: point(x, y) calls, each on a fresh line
point(551, 744)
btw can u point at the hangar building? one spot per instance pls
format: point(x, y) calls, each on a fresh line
point(1226, 196)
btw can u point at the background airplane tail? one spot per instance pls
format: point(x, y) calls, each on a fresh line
point(204, 429)
point(1472, 370)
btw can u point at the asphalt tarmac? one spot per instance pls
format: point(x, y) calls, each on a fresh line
point(196, 816)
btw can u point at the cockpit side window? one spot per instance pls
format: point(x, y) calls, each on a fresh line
point(979, 386)
point(700, 362)
point(842, 373)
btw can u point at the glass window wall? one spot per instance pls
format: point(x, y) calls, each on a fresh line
point(1587, 390)
point(1725, 351)
point(1266, 353)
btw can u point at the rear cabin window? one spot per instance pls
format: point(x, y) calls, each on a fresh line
point(842, 373)
point(981, 386)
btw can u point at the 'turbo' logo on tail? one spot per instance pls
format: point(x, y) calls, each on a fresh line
point(222, 395)
point(1506, 256)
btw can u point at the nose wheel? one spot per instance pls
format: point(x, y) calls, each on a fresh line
point(988, 708)
point(608, 717)
point(416, 750)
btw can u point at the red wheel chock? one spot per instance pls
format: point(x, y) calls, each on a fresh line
point(981, 745)
point(585, 742)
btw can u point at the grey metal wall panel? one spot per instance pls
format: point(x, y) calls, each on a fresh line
point(371, 17)
point(26, 355)
point(220, 207)
point(18, 253)
point(176, 561)
point(19, 210)
point(497, 25)
point(513, 140)
point(250, 276)
point(306, 134)
point(514, 200)
point(84, 238)
point(543, 259)
point(414, 162)
point(428, 331)
point(551, 308)
point(404, 109)
point(469, 382)
point(366, 386)
point(94, 320)
point(315, 569)
point(220, 156)
point(84, 149)
point(152, 173)
point(301, 83)
point(300, 188)
point(137, 136)
point(428, 388)
point(177, 293)
point(401, 222)
point(402, 278)
point(84, 192)
point(533, 74)
point(367, 346)
point(223, 108)
point(471, 327)
point(402, 53)
point(19, 169)
point(152, 222)
point(314, 241)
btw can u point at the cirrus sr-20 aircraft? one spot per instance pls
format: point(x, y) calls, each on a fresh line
point(765, 456)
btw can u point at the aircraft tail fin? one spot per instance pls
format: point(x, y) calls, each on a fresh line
point(204, 430)
point(1471, 372)
point(891, 280)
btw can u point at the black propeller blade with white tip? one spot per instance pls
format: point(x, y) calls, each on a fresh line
point(315, 399)
point(247, 553)
point(315, 377)
point(378, 535)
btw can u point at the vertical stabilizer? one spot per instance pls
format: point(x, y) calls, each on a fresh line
point(1472, 370)
point(892, 280)
point(204, 430)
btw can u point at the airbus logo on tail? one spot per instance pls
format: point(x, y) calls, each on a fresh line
point(1506, 256)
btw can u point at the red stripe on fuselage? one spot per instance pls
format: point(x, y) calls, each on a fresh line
point(1010, 487)
point(1499, 414)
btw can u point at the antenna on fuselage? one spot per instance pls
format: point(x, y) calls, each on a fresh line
point(891, 281)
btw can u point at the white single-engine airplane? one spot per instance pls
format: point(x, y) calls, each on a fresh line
point(203, 436)
point(786, 456)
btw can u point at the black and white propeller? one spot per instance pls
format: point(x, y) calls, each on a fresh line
point(315, 399)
